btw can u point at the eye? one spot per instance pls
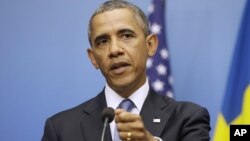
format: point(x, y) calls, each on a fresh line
point(102, 41)
point(127, 36)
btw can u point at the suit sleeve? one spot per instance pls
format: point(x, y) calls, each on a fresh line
point(197, 126)
point(49, 132)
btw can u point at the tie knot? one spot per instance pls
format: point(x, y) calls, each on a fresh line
point(126, 104)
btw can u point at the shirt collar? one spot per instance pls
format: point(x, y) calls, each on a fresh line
point(138, 97)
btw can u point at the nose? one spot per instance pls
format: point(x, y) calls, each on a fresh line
point(115, 49)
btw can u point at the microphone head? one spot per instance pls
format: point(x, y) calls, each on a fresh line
point(108, 113)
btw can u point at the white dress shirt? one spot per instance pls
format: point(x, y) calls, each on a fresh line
point(113, 100)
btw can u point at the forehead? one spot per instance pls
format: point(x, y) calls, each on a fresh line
point(114, 20)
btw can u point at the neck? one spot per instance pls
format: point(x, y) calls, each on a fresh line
point(128, 90)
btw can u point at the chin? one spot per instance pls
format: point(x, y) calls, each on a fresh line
point(122, 83)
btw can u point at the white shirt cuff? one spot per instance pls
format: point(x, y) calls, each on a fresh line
point(157, 138)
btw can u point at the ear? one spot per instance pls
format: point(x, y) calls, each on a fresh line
point(152, 44)
point(92, 57)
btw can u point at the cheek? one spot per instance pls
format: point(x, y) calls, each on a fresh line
point(102, 61)
point(140, 58)
point(141, 52)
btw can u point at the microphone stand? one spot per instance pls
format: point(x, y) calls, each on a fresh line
point(104, 128)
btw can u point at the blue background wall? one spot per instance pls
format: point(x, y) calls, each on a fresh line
point(44, 67)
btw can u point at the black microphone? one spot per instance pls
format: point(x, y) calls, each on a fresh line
point(108, 115)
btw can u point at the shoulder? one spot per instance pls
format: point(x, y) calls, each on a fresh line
point(188, 113)
point(189, 107)
point(76, 113)
point(170, 104)
point(180, 109)
point(186, 108)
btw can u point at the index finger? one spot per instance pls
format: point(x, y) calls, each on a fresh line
point(124, 116)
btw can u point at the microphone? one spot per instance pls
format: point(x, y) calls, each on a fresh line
point(108, 115)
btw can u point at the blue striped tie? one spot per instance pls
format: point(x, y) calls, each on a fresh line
point(127, 105)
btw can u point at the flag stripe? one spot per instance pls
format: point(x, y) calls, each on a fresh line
point(158, 66)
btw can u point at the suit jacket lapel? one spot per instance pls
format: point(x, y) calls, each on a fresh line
point(91, 123)
point(155, 113)
point(154, 107)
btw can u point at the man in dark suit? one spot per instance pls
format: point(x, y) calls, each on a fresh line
point(120, 45)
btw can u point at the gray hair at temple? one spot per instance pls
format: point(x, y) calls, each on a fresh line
point(139, 15)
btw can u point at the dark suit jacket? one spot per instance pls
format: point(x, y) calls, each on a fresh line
point(179, 121)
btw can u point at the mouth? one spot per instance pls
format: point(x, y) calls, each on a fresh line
point(119, 67)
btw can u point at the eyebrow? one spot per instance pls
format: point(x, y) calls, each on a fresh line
point(125, 30)
point(101, 36)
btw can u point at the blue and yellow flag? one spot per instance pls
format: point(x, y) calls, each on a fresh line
point(236, 104)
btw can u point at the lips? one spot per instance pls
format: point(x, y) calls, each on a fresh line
point(119, 67)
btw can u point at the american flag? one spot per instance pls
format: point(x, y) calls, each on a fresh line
point(158, 66)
